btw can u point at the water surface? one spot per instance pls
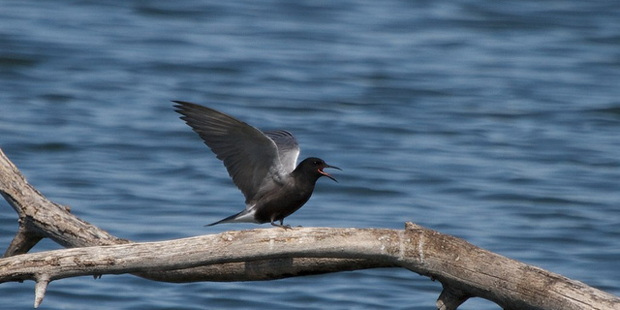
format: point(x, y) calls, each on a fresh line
point(496, 122)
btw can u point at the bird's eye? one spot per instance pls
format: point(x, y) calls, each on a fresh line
point(316, 162)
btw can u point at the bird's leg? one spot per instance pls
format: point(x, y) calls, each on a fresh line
point(281, 225)
point(284, 226)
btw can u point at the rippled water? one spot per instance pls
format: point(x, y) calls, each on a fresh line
point(493, 121)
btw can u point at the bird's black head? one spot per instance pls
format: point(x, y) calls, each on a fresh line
point(314, 166)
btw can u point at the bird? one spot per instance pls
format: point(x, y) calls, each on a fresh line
point(261, 164)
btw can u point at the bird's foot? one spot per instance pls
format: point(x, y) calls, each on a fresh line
point(281, 225)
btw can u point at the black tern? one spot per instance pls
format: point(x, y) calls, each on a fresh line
point(261, 164)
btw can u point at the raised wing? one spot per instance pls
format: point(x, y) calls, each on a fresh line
point(249, 155)
point(288, 148)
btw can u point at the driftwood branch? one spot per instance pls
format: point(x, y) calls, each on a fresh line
point(262, 254)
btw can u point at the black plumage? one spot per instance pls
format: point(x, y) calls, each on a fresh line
point(261, 164)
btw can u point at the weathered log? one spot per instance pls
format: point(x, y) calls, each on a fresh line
point(261, 254)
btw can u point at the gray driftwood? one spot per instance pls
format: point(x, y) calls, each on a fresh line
point(463, 269)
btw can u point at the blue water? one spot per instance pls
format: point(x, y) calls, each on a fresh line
point(494, 121)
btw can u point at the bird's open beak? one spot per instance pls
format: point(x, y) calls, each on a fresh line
point(327, 174)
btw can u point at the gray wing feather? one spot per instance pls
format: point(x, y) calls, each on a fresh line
point(249, 155)
point(288, 148)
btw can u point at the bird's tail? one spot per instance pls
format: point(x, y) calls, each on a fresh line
point(244, 216)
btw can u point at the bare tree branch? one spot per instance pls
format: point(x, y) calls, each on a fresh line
point(262, 254)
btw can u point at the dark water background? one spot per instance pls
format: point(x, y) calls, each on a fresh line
point(495, 121)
